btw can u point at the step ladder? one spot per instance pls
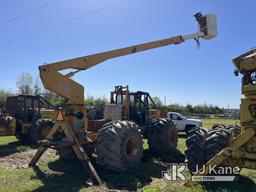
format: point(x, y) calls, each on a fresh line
point(73, 142)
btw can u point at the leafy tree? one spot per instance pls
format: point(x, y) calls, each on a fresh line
point(189, 108)
point(98, 102)
point(199, 109)
point(89, 101)
point(176, 108)
point(3, 95)
point(53, 98)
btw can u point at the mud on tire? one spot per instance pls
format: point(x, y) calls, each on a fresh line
point(119, 146)
point(162, 135)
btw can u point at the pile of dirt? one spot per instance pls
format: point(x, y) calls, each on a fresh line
point(21, 160)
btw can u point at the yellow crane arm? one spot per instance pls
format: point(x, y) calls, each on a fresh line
point(62, 85)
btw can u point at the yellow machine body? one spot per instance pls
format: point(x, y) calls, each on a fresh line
point(242, 150)
point(75, 120)
point(246, 65)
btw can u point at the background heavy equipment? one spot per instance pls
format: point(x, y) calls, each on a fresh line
point(161, 133)
point(118, 137)
point(229, 145)
point(127, 119)
point(28, 117)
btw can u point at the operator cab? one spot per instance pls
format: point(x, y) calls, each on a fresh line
point(134, 105)
point(126, 105)
point(26, 107)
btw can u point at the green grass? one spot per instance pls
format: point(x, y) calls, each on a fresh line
point(54, 174)
point(208, 123)
point(10, 145)
point(6, 140)
point(48, 177)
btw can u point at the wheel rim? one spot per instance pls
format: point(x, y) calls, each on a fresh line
point(45, 131)
point(131, 147)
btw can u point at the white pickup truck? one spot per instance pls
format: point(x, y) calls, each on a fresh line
point(182, 123)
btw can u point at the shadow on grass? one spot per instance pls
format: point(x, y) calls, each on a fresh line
point(68, 175)
point(64, 175)
point(243, 184)
point(151, 167)
point(15, 147)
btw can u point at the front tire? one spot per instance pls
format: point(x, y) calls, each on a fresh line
point(119, 146)
point(40, 129)
point(195, 152)
point(189, 128)
point(162, 135)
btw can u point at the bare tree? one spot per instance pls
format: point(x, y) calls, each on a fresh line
point(157, 101)
point(24, 83)
point(37, 86)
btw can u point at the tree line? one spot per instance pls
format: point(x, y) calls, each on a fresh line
point(187, 109)
point(27, 84)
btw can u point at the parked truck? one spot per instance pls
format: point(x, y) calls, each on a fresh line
point(182, 123)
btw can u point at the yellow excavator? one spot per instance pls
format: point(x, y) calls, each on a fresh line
point(118, 137)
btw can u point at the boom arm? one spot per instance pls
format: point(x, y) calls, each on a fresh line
point(62, 85)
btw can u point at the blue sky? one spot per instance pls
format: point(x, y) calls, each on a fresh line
point(182, 73)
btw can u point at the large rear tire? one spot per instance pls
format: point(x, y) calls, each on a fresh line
point(203, 146)
point(235, 129)
point(217, 140)
point(189, 128)
point(119, 146)
point(195, 148)
point(40, 129)
point(162, 135)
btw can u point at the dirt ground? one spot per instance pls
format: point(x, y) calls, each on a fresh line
point(21, 159)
